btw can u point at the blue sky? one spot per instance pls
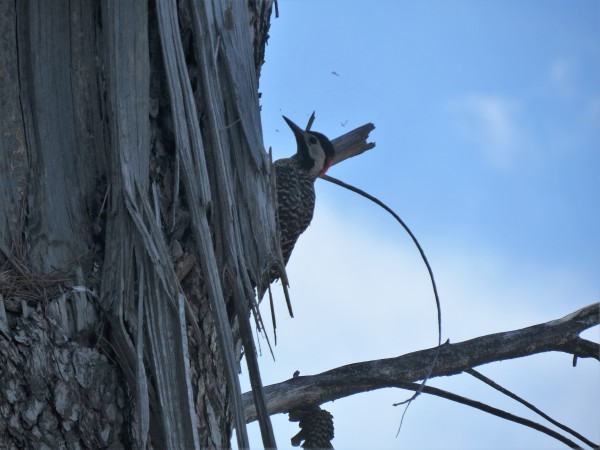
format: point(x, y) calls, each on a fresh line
point(488, 146)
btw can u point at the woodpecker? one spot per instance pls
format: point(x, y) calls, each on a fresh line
point(295, 177)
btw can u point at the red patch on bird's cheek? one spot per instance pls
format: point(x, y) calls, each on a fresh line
point(328, 164)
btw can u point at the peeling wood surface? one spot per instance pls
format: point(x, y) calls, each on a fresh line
point(14, 161)
point(191, 153)
point(62, 169)
point(132, 172)
point(136, 248)
point(558, 335)
point(228, 77)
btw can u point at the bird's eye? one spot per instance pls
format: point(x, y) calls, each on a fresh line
point(312, 140)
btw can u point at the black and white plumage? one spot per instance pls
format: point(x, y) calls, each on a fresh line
point(295, 177)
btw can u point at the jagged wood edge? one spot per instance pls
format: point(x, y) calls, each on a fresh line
point(557, 335)
point(353, 143)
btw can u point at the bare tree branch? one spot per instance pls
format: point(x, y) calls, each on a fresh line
point(353, 143)
point(556, 335)
point(494, 411)
point(535, 409)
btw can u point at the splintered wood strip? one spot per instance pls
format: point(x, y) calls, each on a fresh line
point(233, 143)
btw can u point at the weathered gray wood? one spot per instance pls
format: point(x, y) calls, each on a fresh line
point(195, 177)
point(558, 335)
point(54, 179)
point(132, 228)
point(353, 143)
point(238, 74)
point(62, 171)
point(235, 133)
point(14, 161)
point(126, 134)
point(81, 113)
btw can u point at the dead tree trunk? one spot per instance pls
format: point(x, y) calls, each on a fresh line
point(131, 165)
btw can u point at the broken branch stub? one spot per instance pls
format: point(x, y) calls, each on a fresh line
point(353, 143)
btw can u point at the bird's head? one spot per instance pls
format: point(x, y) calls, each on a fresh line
point(315, 152)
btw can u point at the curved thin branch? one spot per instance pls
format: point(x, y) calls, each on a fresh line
point(535, 409)
point(490, 410)
point(555, 335)
point(427, 265)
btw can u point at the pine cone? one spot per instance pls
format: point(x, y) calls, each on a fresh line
point(316, 428)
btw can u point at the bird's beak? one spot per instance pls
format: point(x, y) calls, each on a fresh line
point(298, 132)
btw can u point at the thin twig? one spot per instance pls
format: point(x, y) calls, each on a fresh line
point(489, 409)
point(12, 259)
point(260, 325)
point(435, 291)
point(272, 305)
point(514, 396)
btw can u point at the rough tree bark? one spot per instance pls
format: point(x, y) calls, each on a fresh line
point(136, 218)
point(131, 166)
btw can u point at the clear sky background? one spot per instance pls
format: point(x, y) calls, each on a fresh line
point(488, 146)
